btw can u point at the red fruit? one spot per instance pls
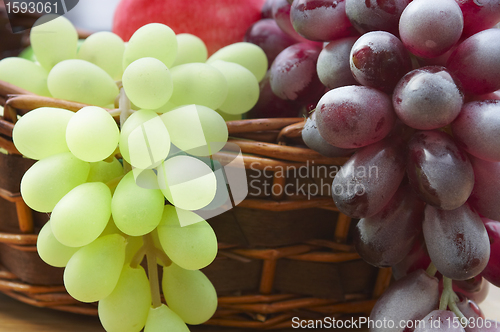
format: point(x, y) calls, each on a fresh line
point(217, 22)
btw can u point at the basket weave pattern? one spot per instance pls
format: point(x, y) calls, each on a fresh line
point(280, 255)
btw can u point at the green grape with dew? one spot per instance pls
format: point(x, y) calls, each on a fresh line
point(249, 55)
point(41, 133)
point(198, 83)
point(83, 82)
point(25, 74)
point(82, 214)
point(104, 49)
point(103, 171)
point(190, 48)
point(50, 250)
point(163, 319)
point(153, 40)
point(188, 240)
point(244, 88)
point(207, 129)
point(53, 40)
point(189, 294)
point(126, 308)
point(187, 182)
point(136, 210)
point(92, 134)
point(147, 83)
point(50, 179)
point(93, 271)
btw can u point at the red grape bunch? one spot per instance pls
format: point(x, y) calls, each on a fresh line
point(411, 91)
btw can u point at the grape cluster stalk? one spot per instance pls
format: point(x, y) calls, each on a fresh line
point(410, 89)
point(110, 216)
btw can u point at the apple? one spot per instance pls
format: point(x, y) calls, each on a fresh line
point(217, 22)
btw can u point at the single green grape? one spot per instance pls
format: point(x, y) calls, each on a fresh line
point(189, 294)
point(82, 214)
point(144, 141)
point(93, 271)
point(92, 134)
point(136, 120)
point(104, 49)
point(243, 87)
point(153, 40)
point(25, 74)
point(198, 83)
point(52, 251)
point(126, 308)
point(149, 144)
point(136, 211)
point(83, 82)
point(147, 83)
point(249, 55)
point(190, 48)
point(187, 239)
point(187, 182)
point(53, 39)
point(50, 179)
point(207, 129)
point(41, 133)
point(163, 319)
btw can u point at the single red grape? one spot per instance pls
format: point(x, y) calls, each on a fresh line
point(429, 28)
point(427, 98)
point(354, 116)
point(378, 59)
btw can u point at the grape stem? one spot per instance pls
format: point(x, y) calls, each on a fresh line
point(449, 300)
point(138, 257)
point(162, 256)
point(124, 106)
point(154, 283)
point(431, 270)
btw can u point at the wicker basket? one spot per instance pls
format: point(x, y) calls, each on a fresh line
point(280, 255)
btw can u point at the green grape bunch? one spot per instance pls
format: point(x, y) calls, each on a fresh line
point(139, 188)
